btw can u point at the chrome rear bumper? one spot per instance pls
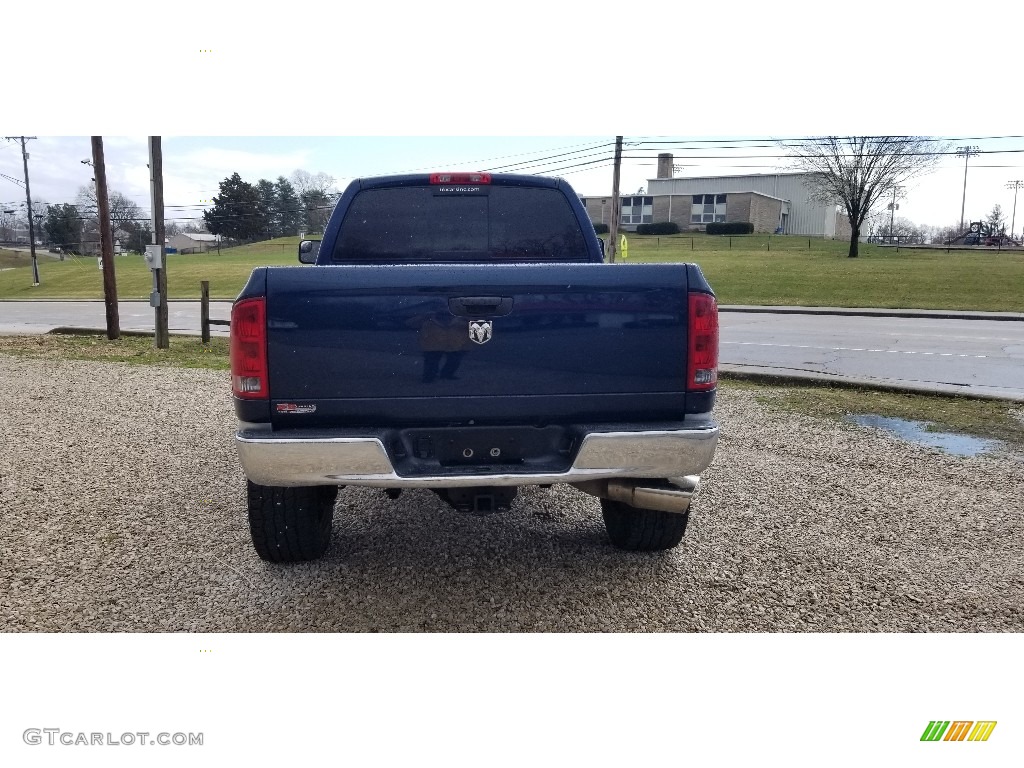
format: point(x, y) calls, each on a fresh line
point(294, 461)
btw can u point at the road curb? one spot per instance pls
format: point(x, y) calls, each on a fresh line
point(728, 372)
point(75, 331)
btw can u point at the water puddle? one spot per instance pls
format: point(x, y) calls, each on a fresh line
point(917, 432)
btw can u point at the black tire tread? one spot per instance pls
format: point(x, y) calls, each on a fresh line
point(289, 525)
point(642, 530)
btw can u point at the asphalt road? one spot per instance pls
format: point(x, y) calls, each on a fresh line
point(42, 316)
point(980, 357)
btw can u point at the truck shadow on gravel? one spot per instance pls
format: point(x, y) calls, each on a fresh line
point(414, 564)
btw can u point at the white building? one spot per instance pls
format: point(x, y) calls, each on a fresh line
point(772, 202)
point(194, 242)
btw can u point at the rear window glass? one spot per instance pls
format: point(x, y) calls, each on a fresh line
point(415, 224)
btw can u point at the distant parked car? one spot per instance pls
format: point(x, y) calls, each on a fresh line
point(973, 239)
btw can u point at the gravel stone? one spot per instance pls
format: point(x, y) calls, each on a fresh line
point(124, 511)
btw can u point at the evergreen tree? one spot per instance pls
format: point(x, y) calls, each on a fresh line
point(316, 206)
point(236, 210)
point(137, 236)
point(63, 227)
point(267, 209)
point(289, 213)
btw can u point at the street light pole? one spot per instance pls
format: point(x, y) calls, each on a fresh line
point(966, 152)
point(9, 221)
point(1014, 185)
point(892, 210)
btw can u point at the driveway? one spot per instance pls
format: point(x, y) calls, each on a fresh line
point(124, 511)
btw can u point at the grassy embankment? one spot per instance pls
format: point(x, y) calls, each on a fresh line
point(780, 270)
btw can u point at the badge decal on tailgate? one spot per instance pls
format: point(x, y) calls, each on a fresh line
point(480, 331)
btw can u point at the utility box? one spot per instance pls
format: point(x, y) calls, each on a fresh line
point(154, 257)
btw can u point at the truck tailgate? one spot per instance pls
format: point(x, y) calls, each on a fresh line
point(476, 343)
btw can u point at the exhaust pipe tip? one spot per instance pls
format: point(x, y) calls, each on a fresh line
point(661, 495)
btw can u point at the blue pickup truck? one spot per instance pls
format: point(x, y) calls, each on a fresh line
point(460, 332)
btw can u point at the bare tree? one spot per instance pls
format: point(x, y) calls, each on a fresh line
point(996, 219)
point(17, 221)
point(948, 233)
point(124, 212)
point(317, 196)
point(195, 226)
point(319, 182)
point(859, 172)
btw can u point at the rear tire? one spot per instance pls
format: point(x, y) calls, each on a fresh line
point(289, 525)
point(642, 530)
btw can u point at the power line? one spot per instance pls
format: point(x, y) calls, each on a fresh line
point(539, 161)
point(434, 167)
point(845, 155)
point(811, 139)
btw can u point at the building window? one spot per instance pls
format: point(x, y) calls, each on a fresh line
point(637, 210)
point(707, 208)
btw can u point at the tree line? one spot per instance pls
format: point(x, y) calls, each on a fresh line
point(242, 211)
point(249, 212)
point(72, 227)
point(884, 228)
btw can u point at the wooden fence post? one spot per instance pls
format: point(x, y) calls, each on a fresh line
point(204, 310)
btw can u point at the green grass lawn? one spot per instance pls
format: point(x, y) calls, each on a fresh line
point(183, 352)
point(80, 277)
point(10, 258)
point(783, 270)
point(779, 270)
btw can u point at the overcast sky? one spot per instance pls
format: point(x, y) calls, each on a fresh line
point(230, 92)
point(193, 166)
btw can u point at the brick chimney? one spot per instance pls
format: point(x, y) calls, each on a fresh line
point(665, 165)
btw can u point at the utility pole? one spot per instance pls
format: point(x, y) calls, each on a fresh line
point(106, 240)
point(161, 338)
point(613, 229)
point(966, 152)
point(1014, 185)
point(28, 199)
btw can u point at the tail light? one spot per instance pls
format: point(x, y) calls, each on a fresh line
point(249, 349)
point(460, 178)
point(702, 363)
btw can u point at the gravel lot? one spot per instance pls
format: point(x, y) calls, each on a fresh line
point(123, 510)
